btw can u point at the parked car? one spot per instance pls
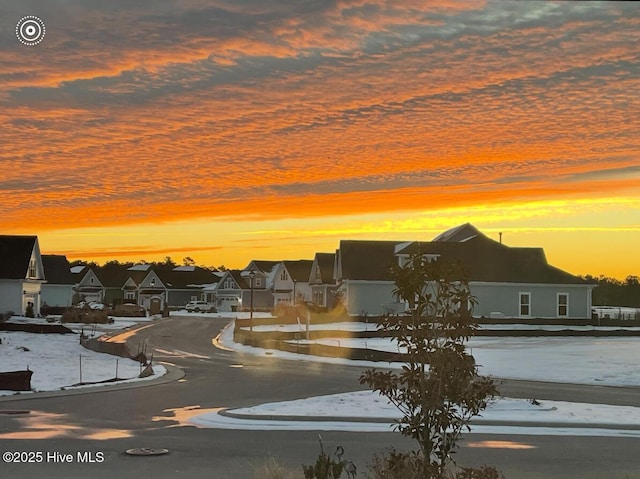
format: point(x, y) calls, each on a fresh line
point(198, 306)
point(91, 305)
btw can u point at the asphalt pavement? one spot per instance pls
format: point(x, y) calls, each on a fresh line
point(152, 415)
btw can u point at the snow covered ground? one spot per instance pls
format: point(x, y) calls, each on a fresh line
point(354, 412)
point(610, 361)
point(56, 359)
point(602, 361)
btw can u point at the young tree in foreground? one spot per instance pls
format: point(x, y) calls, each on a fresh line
point(438, 390)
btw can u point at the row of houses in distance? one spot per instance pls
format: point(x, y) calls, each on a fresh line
point(506, 281)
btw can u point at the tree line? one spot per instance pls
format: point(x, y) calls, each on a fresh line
point(167, 264)
point(614, 292)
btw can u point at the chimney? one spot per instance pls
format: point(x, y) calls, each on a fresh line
point(500, 237)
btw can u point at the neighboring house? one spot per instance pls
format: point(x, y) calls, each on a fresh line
point(89, 288)
point(182, 284)
point(21, 274)
point(290, 281)
point(149, 286)
point(322, 280)
point(363, 273)
point(60, 285)
point(230, 291)
point(507, 282)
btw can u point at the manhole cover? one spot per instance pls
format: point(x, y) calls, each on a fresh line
point(146, 451)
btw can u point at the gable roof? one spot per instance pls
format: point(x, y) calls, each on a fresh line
point(299, 270)
point(236, 274)
point(186, 277)
point(483, 258)
point(57, 269)
point(459, 234)
point(487, 260)
point(115, 276)
point(263, 265)
point(326, 263)
point(367, 260)
point(16, 252)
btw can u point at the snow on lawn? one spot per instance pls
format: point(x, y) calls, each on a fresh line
point(292, 328)
point(363, 405)
point(359, 327)
point(573, 359)
point(354, 412)
point(583, 360)
point(611, 361)
point(55, 361)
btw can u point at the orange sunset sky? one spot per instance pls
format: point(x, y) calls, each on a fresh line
point(231, 130)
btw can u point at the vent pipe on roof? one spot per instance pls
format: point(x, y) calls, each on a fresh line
point(500, 237)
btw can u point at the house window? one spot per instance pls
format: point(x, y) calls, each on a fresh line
point(129, 295)
point(318, 276)
point(525, 304)
point(32, 268)
point(258, 282)
point(318, 297)
point(228, 283)
point(91, 280)
point(283, 276)
point(563, 305)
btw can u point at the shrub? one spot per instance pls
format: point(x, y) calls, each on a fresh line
point(439, 389)
point(482, 472)
point(272, 469)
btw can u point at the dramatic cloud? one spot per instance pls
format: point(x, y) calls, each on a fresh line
point(147, 112)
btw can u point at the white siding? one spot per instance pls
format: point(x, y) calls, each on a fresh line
point(57, 294)
point(11, 296)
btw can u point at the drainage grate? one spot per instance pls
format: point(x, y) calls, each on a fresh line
point(146, 451)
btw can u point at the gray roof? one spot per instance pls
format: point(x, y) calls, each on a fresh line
point(326, 263)
point(487, 260)
point(15, 254)
point(299, 270)
point(459, 234)
point(179, 278)
point(367, 260)
point(57, 269)
point(263, 265)
point(483, 258)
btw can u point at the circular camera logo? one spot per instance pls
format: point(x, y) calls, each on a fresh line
point(30, 30)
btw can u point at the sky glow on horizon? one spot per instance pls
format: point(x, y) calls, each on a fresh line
point(236, 130)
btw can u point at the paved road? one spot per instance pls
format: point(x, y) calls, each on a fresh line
point(111, 422)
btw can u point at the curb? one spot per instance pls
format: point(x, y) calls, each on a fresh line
point(174, 373)
point(477, 422)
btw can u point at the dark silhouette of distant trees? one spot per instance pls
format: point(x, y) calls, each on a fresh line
point(613, 292)
point(167, 265)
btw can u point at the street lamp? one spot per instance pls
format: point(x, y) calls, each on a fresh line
point(294, 291)
point(251, 275)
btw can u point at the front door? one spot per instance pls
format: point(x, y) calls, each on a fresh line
point(155, 306)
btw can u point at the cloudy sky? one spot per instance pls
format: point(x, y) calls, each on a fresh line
point(227, 130)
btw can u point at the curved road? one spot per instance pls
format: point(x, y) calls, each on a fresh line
point(101, 425)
